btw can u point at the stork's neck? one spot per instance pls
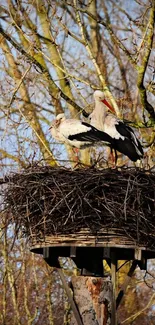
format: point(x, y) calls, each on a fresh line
point(98, 116)
point(100, 110)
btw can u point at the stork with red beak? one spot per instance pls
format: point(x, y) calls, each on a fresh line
point(78, 134)
point(124, 138)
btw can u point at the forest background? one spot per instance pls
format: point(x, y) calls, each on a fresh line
point(53, 56)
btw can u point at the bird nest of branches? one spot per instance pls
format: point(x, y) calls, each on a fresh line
point(46, 201)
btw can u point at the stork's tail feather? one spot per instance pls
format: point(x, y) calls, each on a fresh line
point(130, 149)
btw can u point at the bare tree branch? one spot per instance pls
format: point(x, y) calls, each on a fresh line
point(148, 37)
point(36, 63)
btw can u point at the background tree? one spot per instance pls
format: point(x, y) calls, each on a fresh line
point(54, 54)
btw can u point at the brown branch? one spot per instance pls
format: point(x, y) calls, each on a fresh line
point(29, 114)
point(99, 20)
point(44, 70)
point(5, 154)
point(116, 54)
point(92, 57)
point(142, 68)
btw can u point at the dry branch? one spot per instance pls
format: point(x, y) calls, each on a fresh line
point(148, 37)
point(43, 69)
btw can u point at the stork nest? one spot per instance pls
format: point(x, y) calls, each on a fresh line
point(49, 201)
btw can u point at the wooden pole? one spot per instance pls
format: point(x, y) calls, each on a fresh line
point(126, 282)
point(113, 278)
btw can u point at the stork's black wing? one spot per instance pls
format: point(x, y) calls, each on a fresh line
point(124, 129)
point(130, 145)
point(128, 133)
point(91, 135)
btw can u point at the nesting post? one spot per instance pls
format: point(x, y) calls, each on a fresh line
point(88, 215)
point(113, 279)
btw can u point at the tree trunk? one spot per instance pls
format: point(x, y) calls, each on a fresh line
point(93, 298)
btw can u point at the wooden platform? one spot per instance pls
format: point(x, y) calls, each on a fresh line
point(88, 250)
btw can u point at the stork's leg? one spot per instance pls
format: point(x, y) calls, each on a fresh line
point(116, 157)
point(76, 151)
point(112, 155)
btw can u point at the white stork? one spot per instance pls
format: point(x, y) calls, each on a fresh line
point(124, 139)
point(76, 133)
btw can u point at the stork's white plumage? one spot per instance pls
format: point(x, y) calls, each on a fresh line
point(124, 138)
point(102, 107)
point(76, 133)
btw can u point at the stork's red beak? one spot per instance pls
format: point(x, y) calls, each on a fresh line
point(108, 105)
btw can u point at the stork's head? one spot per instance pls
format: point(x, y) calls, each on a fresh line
point(59, 118)
point(99, 96)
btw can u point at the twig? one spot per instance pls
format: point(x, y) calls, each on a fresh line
point(37, 134)
point(18, 86)
point(125, 199)
point(12, 99)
